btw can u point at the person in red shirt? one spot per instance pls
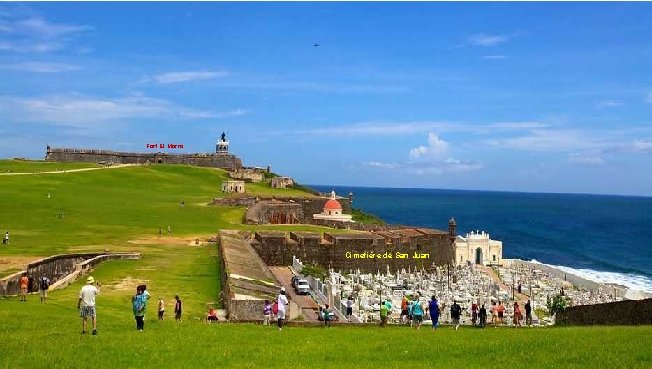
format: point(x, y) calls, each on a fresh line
point(501, 313)
point(24, 283)
point(404, 309)
point(517, 315)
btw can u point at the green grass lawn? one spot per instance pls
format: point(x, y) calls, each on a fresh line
point(36, 166)
point(110, 209)
point(53, 334)
point(105, 208)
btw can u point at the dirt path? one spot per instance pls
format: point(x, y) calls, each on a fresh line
point(171, 240)
point(66, 170)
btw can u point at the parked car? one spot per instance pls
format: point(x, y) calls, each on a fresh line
point(302, 287)
point(294, 281)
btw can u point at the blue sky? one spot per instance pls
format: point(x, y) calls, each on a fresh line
point(541, 97)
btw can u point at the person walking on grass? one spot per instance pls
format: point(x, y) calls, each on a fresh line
point(267, 312)
point(177, 308)
point(474, 313)
point(349, 308)
point(433, 310)
point(404, 309)
point(138, 304)
point(327, 316)
point(417, 312)
point(494, 313)
point(409, 308)
point(528, 313)
point(501, 312)
point(44, 286)
point(86, 304)
point(518, 315)
point(161, 308)
point(24, 284)
point(383, 314)
point(456, 311)
point(483, 316)
point(282, 302)
point(5, 240)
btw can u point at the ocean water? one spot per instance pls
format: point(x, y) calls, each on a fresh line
point(599, 237)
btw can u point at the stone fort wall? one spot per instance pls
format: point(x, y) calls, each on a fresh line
point(628, 312)
point(219, 160)
point(57, 268)
point(366, 251)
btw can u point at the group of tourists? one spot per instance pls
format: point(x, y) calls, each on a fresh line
point(139, 305)
point(278, 309)
point(87, 311)
point(413, 312)
point(43, 286)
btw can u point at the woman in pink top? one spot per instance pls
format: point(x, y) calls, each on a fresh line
point(517, 315)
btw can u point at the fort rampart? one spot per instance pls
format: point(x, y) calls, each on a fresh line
point(366, 251)
point(214, 160)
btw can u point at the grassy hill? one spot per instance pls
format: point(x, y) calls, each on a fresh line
point(122, 209)
point(100, 209)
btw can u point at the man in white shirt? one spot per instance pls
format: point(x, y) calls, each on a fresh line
point(282, 302)
point(86, 304)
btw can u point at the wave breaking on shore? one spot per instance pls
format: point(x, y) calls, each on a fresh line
point(630, 281)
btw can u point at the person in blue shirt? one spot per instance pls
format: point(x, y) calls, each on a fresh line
point(139, 304)
point(417, 312)
point(433, 310)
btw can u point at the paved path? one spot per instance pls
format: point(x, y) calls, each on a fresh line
point(491, 273)
point(66, 170)
point(308, 306)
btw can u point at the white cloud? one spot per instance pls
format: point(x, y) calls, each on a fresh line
point(569, 141)
point(584, 158)
point(377, 164)
point(319, 87)
point(27, 34)
point(40, 67)
point(424, 168)
point(495, 57)
point(547, 140)
point(177, 77)
point(610, 103)
point(431, 159)
point(481, 39)
point(85, 111)
point(407, 128)
point(640, 146)
point(436, 149)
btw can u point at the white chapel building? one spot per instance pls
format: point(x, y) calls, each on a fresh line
point(478, 248)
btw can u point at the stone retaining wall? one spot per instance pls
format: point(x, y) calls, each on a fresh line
point(60, 269)
point(628, 312)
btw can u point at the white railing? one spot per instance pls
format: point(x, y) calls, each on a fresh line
point(321, 291)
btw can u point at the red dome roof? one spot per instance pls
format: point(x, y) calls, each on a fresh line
point(332, 205)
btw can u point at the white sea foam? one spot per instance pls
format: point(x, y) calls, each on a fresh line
point(631, 281)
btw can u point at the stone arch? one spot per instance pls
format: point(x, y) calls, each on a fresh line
point(478, 255)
